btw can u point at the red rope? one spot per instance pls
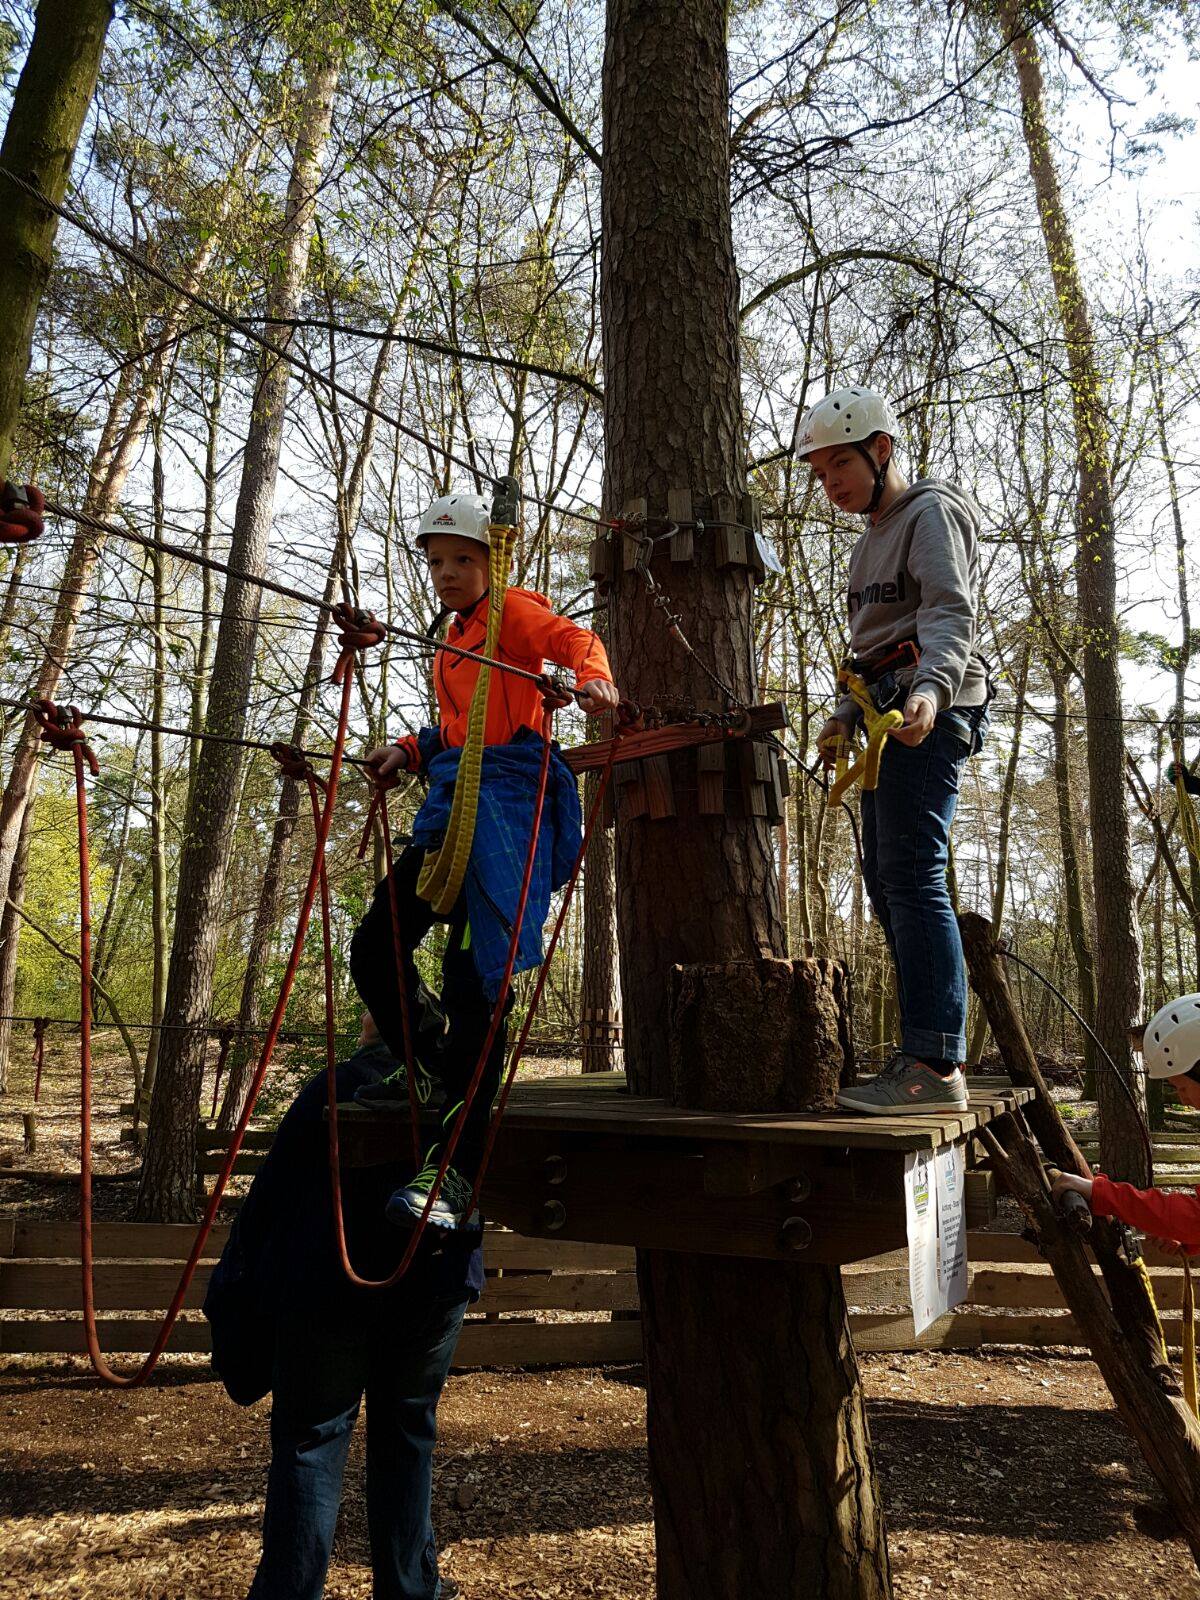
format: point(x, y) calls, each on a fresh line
point(66, 733)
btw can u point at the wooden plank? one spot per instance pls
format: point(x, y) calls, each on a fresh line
point(731, 540)
point(881, 1332)
point(162, 1241)
point(561, 1106)
point(660, 791)
point(149, 1285)
point(122, 1335)
point(523, 1344)
point(214, 1139)
point(562, 1344)
point(628, 788)
point(710, 779)
point(498, 1344)
point(679, 509)
point(562, 1291)
point(120, 1285)
point(214, 1160)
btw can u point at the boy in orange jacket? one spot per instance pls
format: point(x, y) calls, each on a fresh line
point(1171, 1051)
point(454, 537)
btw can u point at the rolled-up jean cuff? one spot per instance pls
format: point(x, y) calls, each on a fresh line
point(923, 1042)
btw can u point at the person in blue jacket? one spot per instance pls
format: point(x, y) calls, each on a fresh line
point(286, 1319)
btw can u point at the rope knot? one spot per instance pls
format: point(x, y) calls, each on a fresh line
point(62, 727)
point(21, 513)
point(360, 630)
point(555, 694)
point(293, 763)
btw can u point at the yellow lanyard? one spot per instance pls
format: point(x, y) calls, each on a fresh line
point(865, 769)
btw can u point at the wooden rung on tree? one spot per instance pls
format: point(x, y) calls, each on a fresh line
point(679, 509)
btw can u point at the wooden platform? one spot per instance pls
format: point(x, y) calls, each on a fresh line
point(580, 1158)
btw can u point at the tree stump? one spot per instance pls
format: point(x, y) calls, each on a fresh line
point(765, 1035)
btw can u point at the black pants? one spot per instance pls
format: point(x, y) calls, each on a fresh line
point(468, 1009)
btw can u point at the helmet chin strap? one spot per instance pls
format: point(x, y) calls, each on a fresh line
point(880, 469)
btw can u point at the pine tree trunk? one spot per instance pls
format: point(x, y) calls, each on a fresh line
point(167, 1192)
point(1077, 926)
point(45, 120)
point(751, 1498)
point(1118, 937)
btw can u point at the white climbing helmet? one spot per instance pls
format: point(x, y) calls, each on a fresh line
point(1171, 1044)
point(466, 515)
point(846, 416)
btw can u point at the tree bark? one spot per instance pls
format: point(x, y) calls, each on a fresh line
point(45, 120)
point(167, 1191)
point(1077, 920)
point(1118, 937)
point(600, 1001)
point(750, 1497)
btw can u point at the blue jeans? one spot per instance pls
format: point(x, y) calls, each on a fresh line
point(321, 1371)
point(906, 849)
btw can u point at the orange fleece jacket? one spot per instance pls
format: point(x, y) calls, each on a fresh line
point(530, 635)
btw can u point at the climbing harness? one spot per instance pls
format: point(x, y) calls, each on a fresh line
point(864, 769)
point(443, 870)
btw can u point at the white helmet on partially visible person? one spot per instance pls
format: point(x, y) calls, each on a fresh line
point(846, 416)
point(1171, 1043)
point(465, 515)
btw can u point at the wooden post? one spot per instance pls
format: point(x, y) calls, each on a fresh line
point(760, 1460)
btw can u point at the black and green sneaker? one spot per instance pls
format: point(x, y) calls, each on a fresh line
point(448, 1212)
point(391, 1093)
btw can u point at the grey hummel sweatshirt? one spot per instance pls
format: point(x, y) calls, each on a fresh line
point(915, 574)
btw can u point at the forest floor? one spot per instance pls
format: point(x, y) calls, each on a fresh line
point(1002, 1474)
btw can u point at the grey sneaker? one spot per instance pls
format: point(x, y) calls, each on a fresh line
point(908, 1088)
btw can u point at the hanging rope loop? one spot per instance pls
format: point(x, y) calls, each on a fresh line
point(62, 727)
point(360, 630)
point(22, 513)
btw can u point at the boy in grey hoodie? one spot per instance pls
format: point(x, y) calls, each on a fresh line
point(913, 601)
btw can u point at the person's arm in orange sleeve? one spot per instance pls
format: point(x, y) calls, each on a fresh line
point(1163, 1216)
point(538, 632)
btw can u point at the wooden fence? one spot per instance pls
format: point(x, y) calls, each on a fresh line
point(1012, 1297)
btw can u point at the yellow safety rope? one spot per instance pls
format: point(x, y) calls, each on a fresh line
point(1189, 1330)
point(443, 870)
point(879, 724)
point(1189, 827)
